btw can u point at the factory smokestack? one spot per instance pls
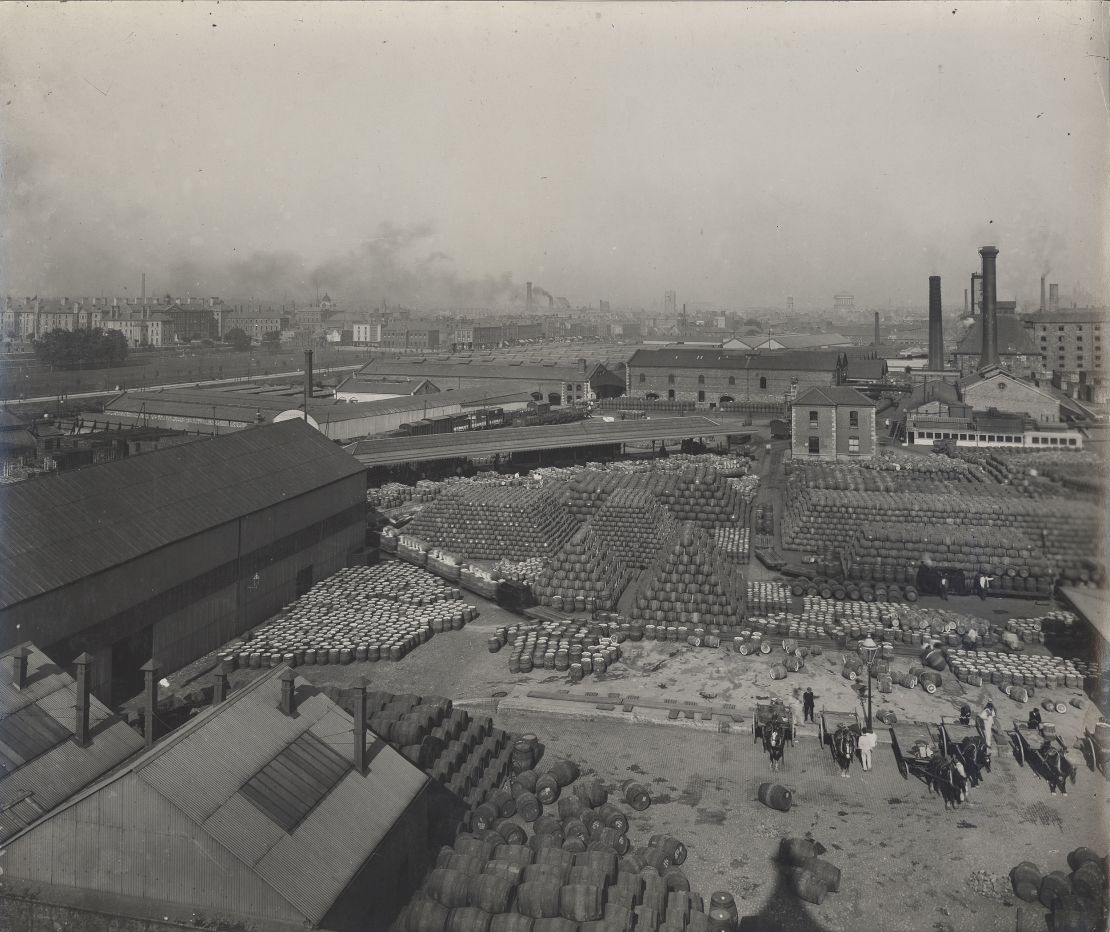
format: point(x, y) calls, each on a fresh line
point(976, 292)
point(989, 354)
point(876, 343)
point(1053, 297)
point(528, 295)
point(144, 288)
point(936, 326)
point(307, 381)
point(965, 302)
point(1042, 292)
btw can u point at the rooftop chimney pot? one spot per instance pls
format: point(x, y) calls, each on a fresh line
point(220, 688)
point(151, 669)
point(288, 697)
point(359, 713)
point(84, 687)
point(19, 667)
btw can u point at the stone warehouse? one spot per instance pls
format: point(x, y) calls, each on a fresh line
point(716, 376)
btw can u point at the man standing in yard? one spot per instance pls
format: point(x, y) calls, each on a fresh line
point(987, 715)
point(807, 704)
point(867, 742)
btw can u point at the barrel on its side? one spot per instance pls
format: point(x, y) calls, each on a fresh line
point(797, 851)
point(808, 886)
point(1026, 880)
point(636, 795)
point(581, 902)
point(776, 796)
point(538, 898)
point(827, 873)
point(1053, 886)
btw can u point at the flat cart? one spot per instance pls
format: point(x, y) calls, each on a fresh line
point(1026, 743)
point(829, 721)
point(1096, 749)
point(914, 745)
point(966, 743)
point(766, 711)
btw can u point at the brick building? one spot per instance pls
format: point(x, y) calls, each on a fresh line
point(832, 424)
point(714, 376)
point(1071, 348)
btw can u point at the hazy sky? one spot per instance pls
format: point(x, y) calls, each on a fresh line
point(446, 153)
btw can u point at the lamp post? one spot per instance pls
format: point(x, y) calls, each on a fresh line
point(867, 651)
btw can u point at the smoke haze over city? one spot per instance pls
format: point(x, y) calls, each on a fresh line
point(442, 155)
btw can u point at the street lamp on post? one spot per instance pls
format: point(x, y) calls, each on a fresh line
point(868, 649)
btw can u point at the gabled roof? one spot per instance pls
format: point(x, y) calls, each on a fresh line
point(804, 340)
point(936, 390)
point(833, 395)
point(400, 386)
point(1013, 339)
point(221, 794)
point(41, 763)
point(707, 358)
point(57, 529)
point(869, 370)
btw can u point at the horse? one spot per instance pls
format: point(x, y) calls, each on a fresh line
point(774, 742)
point(1059, 768)
point(947, 776)
point(976, 757)
point(844, 747)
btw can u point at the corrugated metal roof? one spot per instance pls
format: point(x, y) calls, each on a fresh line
point(61, 528)
point(198, 773)
point(40, 775)
point(706, 358)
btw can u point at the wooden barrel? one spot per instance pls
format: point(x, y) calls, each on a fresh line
point(563, 860)
point(603, 862)
point(551, 871)
point(449, 887)
point(548, 825)
point(505, 869)
point(591, 818)
point(675, 878)
point(797, 851)
point(517, 854)
point(555, 924)
point(511, 922)
point(484, 816)
point(581, 902)
point(934, 659)
point(778, 672)
point(1075, 914)
point(1077, 857)
point(827, 873)
point(636, 795)
point(426, 916)
point(673, 849)
point(538, 898)
point(723, 900)
point(523, 782)
point(1026, 881)
point(467, 919)
point(512, 833)
point(471, 844)
point(584, 874)
point(612, 838)
point(613, 817)
point(576, 828)
point(565, 772)
point(575, 844)
point(529, 807)
point(1054, 885)
point(591, 792)
point(467, 863)
point(807, 885)
point(548, 789)
point(1089, 881)
point(548, 840)
point(719, 920)
point(504, 801)
point(776, 797)
point(571, 807)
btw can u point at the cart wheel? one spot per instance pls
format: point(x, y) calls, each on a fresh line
point(1089, 752)
point(904, 769)
point(1019, 751)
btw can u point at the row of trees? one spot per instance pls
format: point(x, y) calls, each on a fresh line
point(82, 349)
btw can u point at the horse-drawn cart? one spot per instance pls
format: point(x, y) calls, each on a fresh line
point(1096, 748)
point(830, 722)
point(914, 745)
point(768, 712)
point(1046, 753)
point(964, 740)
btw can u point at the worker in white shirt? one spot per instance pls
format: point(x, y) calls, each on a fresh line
point(867, 742)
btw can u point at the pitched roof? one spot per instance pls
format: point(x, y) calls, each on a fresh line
point(680, 358)
point(1013, 339)
point(833, 395)
point(221, 790)
point(41, 765)
point(935, 390)
point(870, 370)
point(433, 368)
point(399, 386)
point(805, 340)
point(57, 529)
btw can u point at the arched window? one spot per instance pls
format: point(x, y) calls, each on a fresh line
point(651, 396)
point(701, 380)
point(763, 381)
point(727, 399)
point(732, 380)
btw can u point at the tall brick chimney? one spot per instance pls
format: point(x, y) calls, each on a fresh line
point(989, 354)
point(1053, 297)
point(151, 669)
point(936, 326)
point(876, 343)
point(359, 713)
point(1043, 277)
point(976, 277)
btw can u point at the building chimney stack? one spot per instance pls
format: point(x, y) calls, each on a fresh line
point(976, 292)
point(19, 667)
point(151, 669)
point(220, 688)
point(144, 287)
point(989, 355)
point(288, 697)
point(1042, 293)
point(936, 326)
point(876, 343)
point(84, 687)
point(528, 295)
point(307, 381)
point(1053, 298)
point(359, 714)
point(965, 302)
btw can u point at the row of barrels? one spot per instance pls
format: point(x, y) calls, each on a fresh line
point(853, 592)
point(1077, 899)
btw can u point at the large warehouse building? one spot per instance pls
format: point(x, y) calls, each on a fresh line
point(717, 376)
point(172, 553)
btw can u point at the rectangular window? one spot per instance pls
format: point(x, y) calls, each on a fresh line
point(853, 444)
point(814, 444)
point(853, 419)
point(1037, 440)
point(1071, 441)
point(812, 417)
point(990, 438)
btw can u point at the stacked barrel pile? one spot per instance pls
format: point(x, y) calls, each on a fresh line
point(490, 522)
point(552, 853)
point(361, 613)
point(632, 524)
point(577, 648)
point(732, 542)
point(585, 492)
point(834, 589)
point(467, 755)
point(584, 575)
point(763, 597)
point(701, 494)
point(1027, 671)
point(1054, 534)
point(521, 571)
point(689, 582)
point(1077, 897)
point(390, 495)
